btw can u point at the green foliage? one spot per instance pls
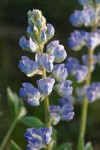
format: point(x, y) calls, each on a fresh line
point(65, 146)
point(14, 146)
point(88, 146)
point(16, 105)
point(32, 122)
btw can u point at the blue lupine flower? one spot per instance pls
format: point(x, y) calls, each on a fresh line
point(59, 53)
point(84, 2)
point(76, 41)
point(50, 30)
point(85, 17)
point(81, 73)
point(94, 61)
point(58, 113)
point(71, 64)
point(30, 94)
point(64, 89)
point(45, 60)
point(66, 112)
point(29, 67)
point(54, 115)
point(57, 50)
point(38, 138)
point(92, 40)
point(97, 87)
point(52, 46)
point(59, 72)
point(46, 134)
point(63, 101)
point(54, 118)
point(28, 45)
point(45, 85)
point(76, 18)
point(93, 91)
point(88, 16)
point(76, 70)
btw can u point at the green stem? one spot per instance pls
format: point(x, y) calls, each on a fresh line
point(47, 112)
point(85, 104)
point(8, 134)
point(46, 101)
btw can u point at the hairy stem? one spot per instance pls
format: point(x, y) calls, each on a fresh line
point(2, 146)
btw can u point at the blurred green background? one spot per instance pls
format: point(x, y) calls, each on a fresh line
point(13, 24)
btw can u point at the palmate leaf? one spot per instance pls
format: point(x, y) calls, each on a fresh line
point(65, 146)
point(14, 146)
point(16, 104)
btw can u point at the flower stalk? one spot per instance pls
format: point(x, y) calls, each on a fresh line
point(85, 105)
point(85, 101)
point(47, 111)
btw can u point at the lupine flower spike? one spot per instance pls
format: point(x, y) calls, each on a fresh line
point(40, 33)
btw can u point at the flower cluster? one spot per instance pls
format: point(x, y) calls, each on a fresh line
point(38, 138)
point(79, 72)
point(39, 33)
point(88, 17)
point(78, 39)
point(93, 91)
point(85, 17)
point(58, 113)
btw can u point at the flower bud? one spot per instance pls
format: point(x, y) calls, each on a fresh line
point(43, 36)
point(28, 45)
point(50, 31)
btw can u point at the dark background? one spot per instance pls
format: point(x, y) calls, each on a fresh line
point(13, 24)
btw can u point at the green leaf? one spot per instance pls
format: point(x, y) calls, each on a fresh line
point(16, 104)
point(32, 122)
point(65, 146)
point(88, 146)
point(14, 146)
